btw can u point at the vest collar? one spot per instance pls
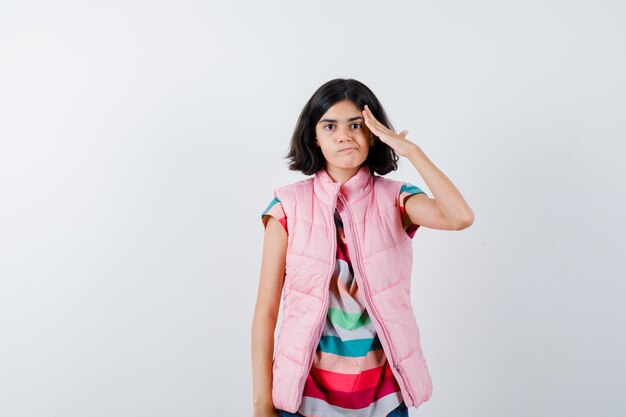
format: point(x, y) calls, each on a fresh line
point(354, 189)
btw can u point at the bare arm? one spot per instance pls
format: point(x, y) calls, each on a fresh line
point(448, 210)
point(265, 316)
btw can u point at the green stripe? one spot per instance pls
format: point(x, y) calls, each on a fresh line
point(348, 321)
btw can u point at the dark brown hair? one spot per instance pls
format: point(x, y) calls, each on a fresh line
point(304, 156)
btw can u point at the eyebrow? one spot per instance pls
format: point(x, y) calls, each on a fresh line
point(335, 121)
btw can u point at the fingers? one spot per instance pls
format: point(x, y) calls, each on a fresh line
point(377, 127)
point(372, 123)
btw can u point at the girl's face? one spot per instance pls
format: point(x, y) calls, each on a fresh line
point(343, 138)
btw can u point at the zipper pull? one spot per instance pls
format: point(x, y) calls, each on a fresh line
point(395, 365)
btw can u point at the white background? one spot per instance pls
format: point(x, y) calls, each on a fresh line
point(141, 140)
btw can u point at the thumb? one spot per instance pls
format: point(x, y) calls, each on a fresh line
point(404, 133)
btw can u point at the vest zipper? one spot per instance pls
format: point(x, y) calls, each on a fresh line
point(322, 318)
point(376, 322)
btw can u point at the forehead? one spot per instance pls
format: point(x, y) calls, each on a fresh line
point(342, 111)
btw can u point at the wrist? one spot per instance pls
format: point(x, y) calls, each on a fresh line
point(414, 151)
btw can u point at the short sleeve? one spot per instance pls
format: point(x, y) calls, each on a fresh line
point(406, 190)
point(274, 209)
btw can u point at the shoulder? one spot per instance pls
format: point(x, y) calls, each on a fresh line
point(400, 190)
point(294, 185)
point(387, 186)
point(401, 186)
point(285, 192)
point(387, 182)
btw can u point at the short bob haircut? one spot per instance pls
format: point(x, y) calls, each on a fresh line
point(304, 156)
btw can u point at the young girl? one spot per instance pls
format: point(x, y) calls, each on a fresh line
point(338, 248)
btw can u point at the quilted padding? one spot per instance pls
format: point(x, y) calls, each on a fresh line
point(382, 253)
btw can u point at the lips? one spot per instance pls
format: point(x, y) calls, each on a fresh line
point(347, 149)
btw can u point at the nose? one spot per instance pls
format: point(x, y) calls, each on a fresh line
point(344, 133)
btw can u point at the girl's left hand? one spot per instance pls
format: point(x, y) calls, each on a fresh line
point(398, 142)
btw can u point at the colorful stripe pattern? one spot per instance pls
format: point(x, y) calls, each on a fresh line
point(275, 209)
point(407, 190)
point(350, 375)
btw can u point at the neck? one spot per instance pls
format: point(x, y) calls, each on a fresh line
point(341, 175)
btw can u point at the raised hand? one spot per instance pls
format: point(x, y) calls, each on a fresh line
point(398, 142)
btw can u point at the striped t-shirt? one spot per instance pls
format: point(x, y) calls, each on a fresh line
point(350, 374)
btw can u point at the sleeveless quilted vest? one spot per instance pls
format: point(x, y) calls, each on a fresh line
point(382, 255)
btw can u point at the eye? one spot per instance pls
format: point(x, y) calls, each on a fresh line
point(358, 125)
point(325, 126)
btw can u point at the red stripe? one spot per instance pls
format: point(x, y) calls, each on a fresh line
point(336, 381)
point(283, 221)
point(351, 399)
point(342, 247)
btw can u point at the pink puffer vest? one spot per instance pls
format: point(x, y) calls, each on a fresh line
point(381, 254)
